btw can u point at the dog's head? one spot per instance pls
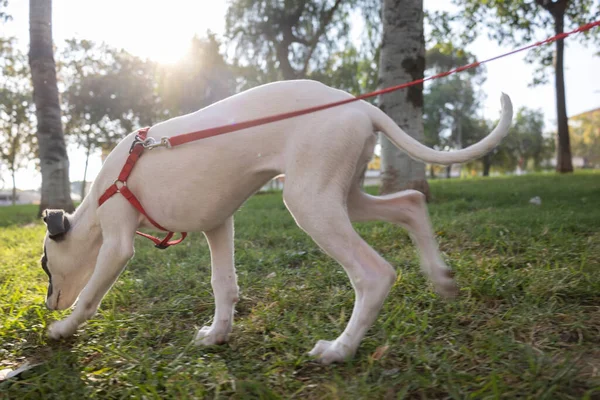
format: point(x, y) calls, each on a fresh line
point(62, 261)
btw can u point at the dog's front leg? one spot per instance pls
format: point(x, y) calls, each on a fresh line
point(116, 250)
point(224, 284)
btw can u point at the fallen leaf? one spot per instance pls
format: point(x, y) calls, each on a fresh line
point(379, 352)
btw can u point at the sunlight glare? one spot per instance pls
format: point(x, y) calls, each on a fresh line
point(149, 29)
point(172, 28)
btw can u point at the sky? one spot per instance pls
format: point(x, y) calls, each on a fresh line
point(162, 30)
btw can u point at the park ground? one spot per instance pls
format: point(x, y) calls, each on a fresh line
point(526, 324)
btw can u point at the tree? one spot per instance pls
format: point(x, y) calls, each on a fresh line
point(16, 125)
point(585, 130)
point(518, 22)
point(449, 102)
point(402, 60)
point(54, 161)
point(525, 146)
point(528, 130)
point(281, 37)
point(108, 93)
point(297, 39)
point(349, 70)
point(16, 131)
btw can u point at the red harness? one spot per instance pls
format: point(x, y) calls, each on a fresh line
point(140, 143)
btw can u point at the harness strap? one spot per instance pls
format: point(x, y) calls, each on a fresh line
point(137, 148)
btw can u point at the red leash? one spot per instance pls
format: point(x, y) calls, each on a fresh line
point(142, 142)
point(219, 130)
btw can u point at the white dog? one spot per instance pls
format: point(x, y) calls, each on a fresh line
point(199, 185)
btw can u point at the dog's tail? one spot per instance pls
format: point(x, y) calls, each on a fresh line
point(423, 153)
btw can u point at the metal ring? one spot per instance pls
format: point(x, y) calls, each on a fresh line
point(123, 184)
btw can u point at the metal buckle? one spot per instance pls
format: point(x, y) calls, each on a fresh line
point(150, 143)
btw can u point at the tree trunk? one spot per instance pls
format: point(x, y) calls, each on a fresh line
point(54, 162)
point(459, 138)
point(87, 158)
point(14, 189)
point(283, 56)
point(563, 159)
point(487, 164)
point(431, 171)
point(402, 60)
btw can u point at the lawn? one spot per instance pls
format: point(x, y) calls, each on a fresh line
point(527, 322)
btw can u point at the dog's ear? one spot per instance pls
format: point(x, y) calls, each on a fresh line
point(57, 222)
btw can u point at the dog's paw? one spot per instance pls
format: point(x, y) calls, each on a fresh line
point(327, 352)
point(208, 336)
point(445, 285)
point(61, 329)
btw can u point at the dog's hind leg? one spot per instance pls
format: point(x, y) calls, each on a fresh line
point(118, 230)
point(324, 218)
point(224, 284)
point(319, 174)
point(409, 210)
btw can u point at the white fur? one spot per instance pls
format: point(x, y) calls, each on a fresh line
point(198, 186)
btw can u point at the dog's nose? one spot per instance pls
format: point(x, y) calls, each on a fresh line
point(48, 296)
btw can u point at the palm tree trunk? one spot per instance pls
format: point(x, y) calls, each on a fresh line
point(54, 162)
point(402, 59)
point(14, 188)
point(564, 162)
point(87, 159)
point(459, 139)
point(487, 164)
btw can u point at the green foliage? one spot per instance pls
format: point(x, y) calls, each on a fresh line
point(108, 93)
point(521, 22)
point(585, 137)
point(444, 56)
point(449, 115)
point(17, 134)
point(349, 70)
point(525, 325)
point(449, 102)
point(525, 147)
point(293, 39)
point(527, 135)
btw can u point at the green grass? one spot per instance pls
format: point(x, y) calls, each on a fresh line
point(527, 323)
